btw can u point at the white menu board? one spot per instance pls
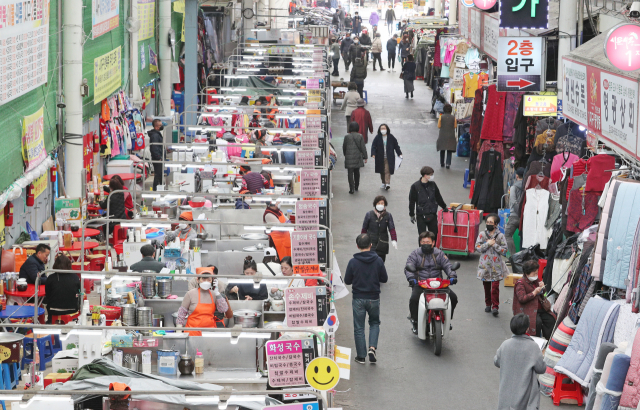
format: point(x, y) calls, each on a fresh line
point(490, 36)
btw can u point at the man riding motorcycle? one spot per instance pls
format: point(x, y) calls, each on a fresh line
point(429, 262)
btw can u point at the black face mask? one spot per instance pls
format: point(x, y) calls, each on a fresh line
point(161, 128)
point(490, 228)
point(426, 249)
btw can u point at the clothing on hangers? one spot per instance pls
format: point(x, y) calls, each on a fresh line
point(582, 210)
point(599, 167)
point(494, 115)
point(488, 191)
point(534, 217)
point(561, 164)
point(511, 105)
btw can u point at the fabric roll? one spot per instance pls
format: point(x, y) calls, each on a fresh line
point(606, 370)
point(605, 349)
point(557, 345)
point(618, 374)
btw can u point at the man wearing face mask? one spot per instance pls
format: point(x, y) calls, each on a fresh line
point(424, 199)
point(156, 149)
point(528, 298)
point(429, 262)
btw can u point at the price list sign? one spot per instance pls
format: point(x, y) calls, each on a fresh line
point(313, 123)
point(306, 306)
point(311, 212)
point(308, 247)
point(309, 140)
point(287, 360)
point(307, 158)
point(314, 83)
point(314, 182)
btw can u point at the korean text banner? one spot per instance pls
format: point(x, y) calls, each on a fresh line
point(24, 46)
point(107, 74)
point(147, 18)
point(105, 16)
point(33, 151)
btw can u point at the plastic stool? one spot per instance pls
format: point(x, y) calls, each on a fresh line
point(11, 374)
point(366, 100)
point(45, 349)
point(64, 318)
point(465, 183)
point(563, 391)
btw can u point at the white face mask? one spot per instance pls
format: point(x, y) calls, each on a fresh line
point(533, 278)
point(182, 227)
point(383, 132)
point(205, 285)
point(431, 178)
point(380, 208)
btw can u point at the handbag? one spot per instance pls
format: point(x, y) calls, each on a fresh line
point(381, 246)
point(546, 305)
point(402, 75)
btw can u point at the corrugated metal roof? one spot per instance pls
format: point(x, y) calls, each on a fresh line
point(592, 53)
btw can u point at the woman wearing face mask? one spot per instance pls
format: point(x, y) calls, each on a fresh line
point(273, 214)
point(492, 246)
point(383, 150)
point(201, 304)
point(528, 298)
point(378, 224)
point(246, 291)
point(185, 231)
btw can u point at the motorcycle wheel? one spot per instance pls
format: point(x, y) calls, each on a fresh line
point(437, 342)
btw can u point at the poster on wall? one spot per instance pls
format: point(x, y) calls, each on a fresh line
point(40, 184)
point(87, 154)
point(33, 151)
point(490, 36)
point(619, 108)
point(147, 18)
point(574, 90)
point(107, 74)
point(105, 16)
point(24, 45)
point(153, 61)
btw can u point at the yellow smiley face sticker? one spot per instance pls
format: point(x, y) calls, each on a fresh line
point(322, 373)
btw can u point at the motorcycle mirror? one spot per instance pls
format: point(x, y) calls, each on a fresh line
point(455, 266)
point(410, 267)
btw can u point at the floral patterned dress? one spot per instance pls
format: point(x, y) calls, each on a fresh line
point(491, 266)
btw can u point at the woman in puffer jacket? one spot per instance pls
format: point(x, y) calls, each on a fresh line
point(355, 155)
point(376, 50)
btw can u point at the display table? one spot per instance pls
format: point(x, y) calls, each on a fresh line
point(88, 232)
point(19, 312)
point(21, 298)
point(77, 246)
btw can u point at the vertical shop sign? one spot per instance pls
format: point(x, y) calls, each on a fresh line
point(286, 361)
point(594, 99)
point(24, 47)
point(87, 154)
point(619, 110)
point(308, 247)
point(574, 92)
point(40, 184)
point(107, 74)
point(33, 150)
point(105, 16)
point(524, 14)
point(147, 18)
point(490, 36)
point(306, 307)
point(464, 19)
point(520, 64)
point(475, 22)
point(622, 47)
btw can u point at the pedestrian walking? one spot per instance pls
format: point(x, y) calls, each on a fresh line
point(408, 75)
point(335, 20)
point(383, 150)
point(344, 50)
point(520, 361)
point(341, 16)
point(362, 116)
point(516, 192)
point(357, 24)
point(392, 45)
point(376, 50)
point(446, 142)
point(365, 272)
point(157, 151)
point(374, 19)
point(379, 225)
point(335, 56)
point(390, 17)
point(348, 22)
point(355, 155)
point(405, 48)
point(491, 268)
point(359, 72)
point(350, 102)
point(424, 199)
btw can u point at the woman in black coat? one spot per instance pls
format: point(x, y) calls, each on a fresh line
point(383, 150)
point(379, 225)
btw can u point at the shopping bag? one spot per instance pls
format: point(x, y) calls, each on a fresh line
point(33, 234)
point(518, 259)
point(20, 257)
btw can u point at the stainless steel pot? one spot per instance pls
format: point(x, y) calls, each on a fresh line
point(195, 243)
point(164, 288)
point(247, 317)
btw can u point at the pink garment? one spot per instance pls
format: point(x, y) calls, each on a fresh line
point(561, 162)
point(448, 55)
point(493, 115)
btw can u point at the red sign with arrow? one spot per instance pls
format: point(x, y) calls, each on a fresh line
point(520, 83)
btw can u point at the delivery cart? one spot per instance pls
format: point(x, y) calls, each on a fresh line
point(458, 230)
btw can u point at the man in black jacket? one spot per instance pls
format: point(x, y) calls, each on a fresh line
point(424, 199)
point(365, 272)
point(148, 261)
point(155, 137)
point(35, 263)
point(392, 46)
point(345, 45)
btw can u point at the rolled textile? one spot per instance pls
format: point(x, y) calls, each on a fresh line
point(557, 346)
point(615, 382)
point(631, 393)
point(606, 370)
point(605, 349)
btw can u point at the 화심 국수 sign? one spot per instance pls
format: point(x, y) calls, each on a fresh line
point(24, 45)
point(524, 14)
point(622, 47)
point(105, 16)
point(520, 64)
point(33, 150)
point(107, 74)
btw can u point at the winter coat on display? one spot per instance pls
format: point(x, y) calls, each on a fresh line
point(381, 149)
point(488, 190)
point(597, 325)
point(429, 266)
point(447, 135)
point(599, 167)
point(599, 261)
point(534, 217)
point(491, 266)
point(494, 115)
point(520, 361)
point(510, 111)
point(363, 118)
point(476, 121)
point(575, 141)
point(354, 151)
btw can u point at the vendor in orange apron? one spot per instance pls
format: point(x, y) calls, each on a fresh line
point(273, 214)
point(185, 231)
point(201, 304)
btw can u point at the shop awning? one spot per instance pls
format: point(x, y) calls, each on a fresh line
point(592, 53)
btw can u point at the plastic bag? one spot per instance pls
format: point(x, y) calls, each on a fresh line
point(518, 259)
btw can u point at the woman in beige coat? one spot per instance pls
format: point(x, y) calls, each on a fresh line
point(376, 50)
point(350, 102)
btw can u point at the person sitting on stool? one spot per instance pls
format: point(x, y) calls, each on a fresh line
point(62, 290)
point(148, 261)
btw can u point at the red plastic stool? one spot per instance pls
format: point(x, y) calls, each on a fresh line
point(64, 318)
point(564, 391)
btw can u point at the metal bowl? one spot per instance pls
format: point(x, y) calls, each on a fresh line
point(248, 318)
point(254, 236)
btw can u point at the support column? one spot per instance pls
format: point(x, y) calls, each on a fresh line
point(72, 64)
point(453, 12)
point(567, 34)
point(134, 55)
point(190, 62)
point(165, 55)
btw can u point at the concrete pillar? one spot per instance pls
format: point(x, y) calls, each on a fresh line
point(164, 52)
point(567, 34)
point(191, 61)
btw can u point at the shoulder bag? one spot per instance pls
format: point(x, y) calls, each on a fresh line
point(382, 246)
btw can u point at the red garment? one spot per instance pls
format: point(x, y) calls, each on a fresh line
point(486, 146)
point(582, 210)
point(493, 115)
point(476, 121)
point(579, 168)
point(597, 177)
point(561, 162)
point(524, 301)
point(491, 293)
point(363, 118)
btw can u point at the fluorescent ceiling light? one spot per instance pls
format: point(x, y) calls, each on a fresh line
point(213, 129)
point(47, 331)
point(131, 224)
point(151, 195)
point(156, 225)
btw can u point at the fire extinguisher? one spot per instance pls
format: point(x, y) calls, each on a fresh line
point(96, 142)
point(30, 197)
point(153, 92)
point(144, 105)
point(54, 173)
point(8, 214)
